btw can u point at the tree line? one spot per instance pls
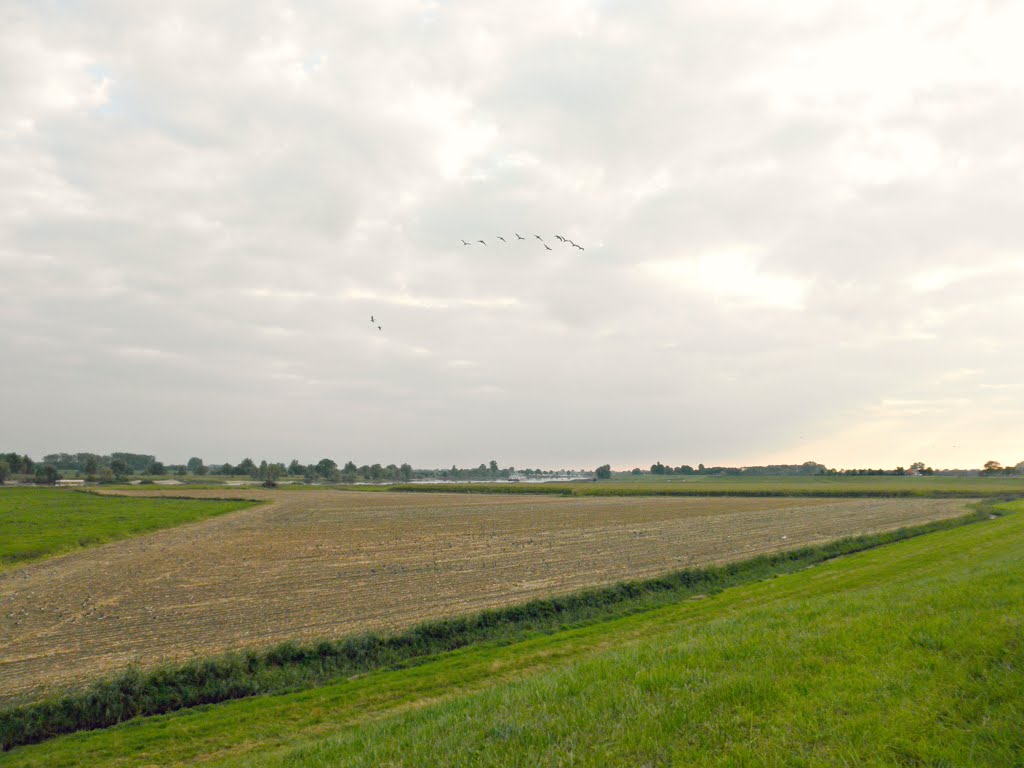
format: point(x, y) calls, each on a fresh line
point(121, 466)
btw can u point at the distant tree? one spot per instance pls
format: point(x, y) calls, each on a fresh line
point(156, 468)
point(376, 472)
point(275, 471)
point(138, 462)
point(325, 467)
point(992, 468)
point(46, 474)
point(604, 472)
point(494, 467)
point(180, 470)
point(636, 471)
point(195, 465)
point(261, 472)
point(294, 468)
point(1019, 468)
point(246, 467)
point(917, 466)
point(406, 472)
point(91, 465)
point(658, 469)
point(120, 468)
point(5, 470)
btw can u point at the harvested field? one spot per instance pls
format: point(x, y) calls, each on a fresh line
point(328, 563)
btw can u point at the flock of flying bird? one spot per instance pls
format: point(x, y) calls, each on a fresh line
point(563, 240)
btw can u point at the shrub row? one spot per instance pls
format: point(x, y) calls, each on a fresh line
point(290, 666)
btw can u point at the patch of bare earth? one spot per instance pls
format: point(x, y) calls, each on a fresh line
point(317, 564)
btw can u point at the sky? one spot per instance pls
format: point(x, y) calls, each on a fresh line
point(801, 229)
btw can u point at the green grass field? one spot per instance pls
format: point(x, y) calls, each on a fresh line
point(909, 654)
point(41, 522)
point(706, 485)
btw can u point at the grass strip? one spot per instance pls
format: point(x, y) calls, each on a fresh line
point(707, 489)
point(36, 523)
point(289, 666)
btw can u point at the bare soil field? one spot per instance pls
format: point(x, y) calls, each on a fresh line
point(330, 563)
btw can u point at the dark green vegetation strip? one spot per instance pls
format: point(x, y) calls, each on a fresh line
point(290, 666)
point(40, 522)
point(854, 487)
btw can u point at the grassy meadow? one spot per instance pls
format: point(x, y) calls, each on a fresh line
point(908, 654)
point(41, 522)
point(709, 485)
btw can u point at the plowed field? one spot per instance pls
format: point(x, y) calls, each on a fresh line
point(328, 563)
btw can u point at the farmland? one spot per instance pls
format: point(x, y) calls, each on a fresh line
point(904, 655)
point(41, 522)
point(731, 485)
point(329, 563)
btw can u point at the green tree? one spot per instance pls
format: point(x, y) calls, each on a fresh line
point(46, 474)
point(5, 470)
point(294, 468)
point(195, 465)
point(493, 467)
point(325, 467)
point(376, 472)
point(992, 468)
point(604, 472)
point(246, 467)
point(91, 466)
point(406, 472)
point(120, 468)
point(156, 468)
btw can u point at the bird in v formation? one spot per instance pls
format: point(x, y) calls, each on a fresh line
point(560, 238)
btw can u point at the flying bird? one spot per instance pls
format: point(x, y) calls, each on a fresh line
point(500, 238)
point(372, 320)
point(570, 242)
point(379, 328)
point(578, 246)
point(539, 238)
point(481, 241)
point(560, 238)
point(465, 243)
point(520, 236)
point(547, 246)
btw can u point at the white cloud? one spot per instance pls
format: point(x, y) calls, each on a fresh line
point(799, 217)
point(733, 277)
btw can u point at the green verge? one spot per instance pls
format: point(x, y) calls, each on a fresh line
point(828, 486)
point(905, 655)
point(290, 666)
point(41, 522)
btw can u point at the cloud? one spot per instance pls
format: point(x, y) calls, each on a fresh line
point(203, 205)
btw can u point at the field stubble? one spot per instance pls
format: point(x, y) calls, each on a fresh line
point(327, 564)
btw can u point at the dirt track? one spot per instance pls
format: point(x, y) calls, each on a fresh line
point(328, 563)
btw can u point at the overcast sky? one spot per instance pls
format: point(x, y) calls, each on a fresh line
point(802, 224)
